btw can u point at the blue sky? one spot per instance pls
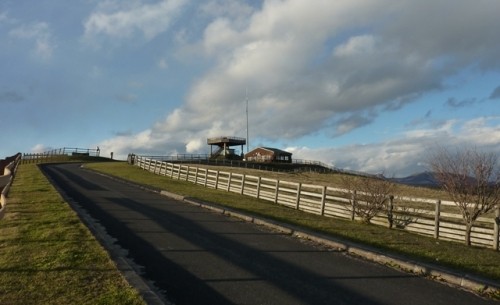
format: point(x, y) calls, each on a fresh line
point(363, 85)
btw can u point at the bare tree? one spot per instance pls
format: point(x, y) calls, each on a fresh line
point(369, 195)
point(472, 180)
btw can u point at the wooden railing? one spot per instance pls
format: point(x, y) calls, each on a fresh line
point(54, 154)
point(296, 165)
point(432, 217)
point(6, 181)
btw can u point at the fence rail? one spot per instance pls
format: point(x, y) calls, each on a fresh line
point(60, 152)
point(6, 181)
point(296, 165)
point(437, 218)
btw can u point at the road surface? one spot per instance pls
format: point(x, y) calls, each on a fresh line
point(199, 257)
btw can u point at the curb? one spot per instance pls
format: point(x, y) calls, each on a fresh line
point(469, 282)
point(129, 270)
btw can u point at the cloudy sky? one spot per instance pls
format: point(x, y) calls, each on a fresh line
point(368, 85)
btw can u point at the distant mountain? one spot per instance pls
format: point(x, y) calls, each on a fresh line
point(420, 179)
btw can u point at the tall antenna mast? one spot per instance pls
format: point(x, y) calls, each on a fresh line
point(246, 98)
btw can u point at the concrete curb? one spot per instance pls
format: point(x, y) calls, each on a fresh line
point(469, 282)
point(438, 273)
point(129, 270)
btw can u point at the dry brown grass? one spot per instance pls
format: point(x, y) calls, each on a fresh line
point(328, 179)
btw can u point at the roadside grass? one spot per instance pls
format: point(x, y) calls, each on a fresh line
point(472, 260)
point(48, 256)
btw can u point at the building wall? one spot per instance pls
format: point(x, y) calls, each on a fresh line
point(265, 155)
point(260, 155)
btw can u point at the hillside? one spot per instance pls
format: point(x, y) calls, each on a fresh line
point(425, 179)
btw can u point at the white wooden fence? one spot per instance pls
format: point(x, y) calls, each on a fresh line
point(440, 219)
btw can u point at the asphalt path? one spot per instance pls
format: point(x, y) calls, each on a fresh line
point(200, 257)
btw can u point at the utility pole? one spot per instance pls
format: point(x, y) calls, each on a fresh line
point(246, 98)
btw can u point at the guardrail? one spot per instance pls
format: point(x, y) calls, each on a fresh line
point(305, 165)
point(432, 217)
point(53, 154)
point(6, 181)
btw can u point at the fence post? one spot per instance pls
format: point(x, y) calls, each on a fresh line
point(216, 179)
point(276, 191)
point(390, 208)
point(297, 200)
point(187, 173)
point(323, 197)
point(242, 190)
point(206, 178)
point(196, 175)
point(353, 204)
point(495, 228)
point(229, 181)
point(179, 172)
point(436, 218)
point(258, 187)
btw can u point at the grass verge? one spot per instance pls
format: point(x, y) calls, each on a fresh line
point(473, 260)
point(47, 256)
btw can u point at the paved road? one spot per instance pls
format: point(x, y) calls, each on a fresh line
point(199, 257)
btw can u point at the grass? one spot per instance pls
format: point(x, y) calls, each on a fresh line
point(330, 179)
point(473, 260)
point(47, 255)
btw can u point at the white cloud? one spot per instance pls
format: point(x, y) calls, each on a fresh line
point(476, 129)
point(6, 18)
point(325, 67)
point(96, 72)
point(407, 154)
point(122, 145)
point(124, 20)
point(135, 84)
point(233, 9)
point(194, 146)
point(162, 63)
point(41, 34)
point(358, 45)
point(3, 17)
point(40, 148)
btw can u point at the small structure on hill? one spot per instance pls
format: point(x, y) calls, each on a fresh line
point(224, 150)
point(268, 154)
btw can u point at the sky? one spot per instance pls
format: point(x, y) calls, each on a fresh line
point(364, 85)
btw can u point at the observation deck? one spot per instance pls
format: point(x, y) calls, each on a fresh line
point(224, 143)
